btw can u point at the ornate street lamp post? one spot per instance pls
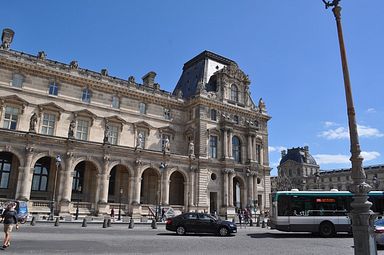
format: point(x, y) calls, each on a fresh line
point(362, 216)
point(58, 163)
point(120, 193)
point(78, 191)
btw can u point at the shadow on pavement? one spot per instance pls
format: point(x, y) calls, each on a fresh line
point(193, 234)
point(293, 235)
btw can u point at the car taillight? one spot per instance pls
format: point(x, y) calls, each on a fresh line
point(379, 231)
point(168, 222)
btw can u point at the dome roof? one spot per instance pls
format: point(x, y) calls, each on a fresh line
point(299, 155)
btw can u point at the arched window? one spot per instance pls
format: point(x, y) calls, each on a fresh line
point(78, 178)
point(236, 149)
point(234, 93)
point(40, 175)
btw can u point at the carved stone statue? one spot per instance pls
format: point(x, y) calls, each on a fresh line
point(191, 148)
point(139, 141)
point(74, 64)
point(262, 105)
point(32, 123)
point(166, 146)
point(131, 79)
point(71, 129)
point(41, 55)
point(106, 133)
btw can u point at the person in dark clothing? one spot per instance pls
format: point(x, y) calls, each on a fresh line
point(9, 218)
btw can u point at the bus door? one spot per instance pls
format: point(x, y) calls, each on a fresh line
point(300, 214)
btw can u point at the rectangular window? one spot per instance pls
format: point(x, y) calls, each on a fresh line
point(143, 108)
point(115, 102)
point(53, 88)
point(82, 130)
point(113, 134)
point(258, 153)
point(48, 125)
point(86, 96)
point(5, 171)
point(17, 80)
point(213, 114)
point(11, 116)
point(213, 146)
point(167, 113)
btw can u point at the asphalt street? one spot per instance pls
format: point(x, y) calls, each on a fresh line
point(71, 238)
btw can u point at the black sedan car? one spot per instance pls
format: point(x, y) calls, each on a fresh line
point(199, 223)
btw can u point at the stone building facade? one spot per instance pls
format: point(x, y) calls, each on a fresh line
point(299, 170)
point(74, 138)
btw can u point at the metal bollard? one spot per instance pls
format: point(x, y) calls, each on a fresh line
point(154, 224)
point(131, 223)
point(250, 223)
point(258, 221)
point(33, 221)
point(84, 223)
point(109, 222)
point(263, 224)
point(57, 222)
point(105, 223)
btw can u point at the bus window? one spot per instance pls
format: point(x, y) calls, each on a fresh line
point(283, 206)
point(301, 206)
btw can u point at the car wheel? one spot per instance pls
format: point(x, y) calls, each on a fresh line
point(326, 229)
point(180, 230)
point(223, 231)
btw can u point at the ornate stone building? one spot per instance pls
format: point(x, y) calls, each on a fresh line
point(299, 170)
point(71, 137)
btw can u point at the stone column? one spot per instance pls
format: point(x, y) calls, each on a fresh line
point(25, 179)
point(255, 194)
point(250, 189)
point(191, 187)
point(131, 189)
point(225, 187)
point(250, 158)
point(254, 148)
point(104, 183)
point(230, 143)
point(225, 143)
point(230, 188)
point(67, 178)
point(165, 188)
point(137, 188)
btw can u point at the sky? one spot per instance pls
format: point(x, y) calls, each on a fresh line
point(289, 49)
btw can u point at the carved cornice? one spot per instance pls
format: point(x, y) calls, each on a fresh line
point(13, 99)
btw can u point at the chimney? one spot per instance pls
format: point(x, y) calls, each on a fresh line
point(149, 79)
point(6, 38)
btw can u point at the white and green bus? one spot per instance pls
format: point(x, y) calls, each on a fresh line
point(324, 212)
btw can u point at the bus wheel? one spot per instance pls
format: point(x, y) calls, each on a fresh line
point(326, 229)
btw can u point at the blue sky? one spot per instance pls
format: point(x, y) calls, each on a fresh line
point(289, 49)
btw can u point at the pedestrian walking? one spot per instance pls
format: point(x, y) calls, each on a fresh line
point(9, 218)
point(113, 214)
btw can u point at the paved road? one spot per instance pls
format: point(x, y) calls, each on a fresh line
point(118, 239)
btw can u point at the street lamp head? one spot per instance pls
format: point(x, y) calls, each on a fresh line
point(58, 160)
point(330, 4)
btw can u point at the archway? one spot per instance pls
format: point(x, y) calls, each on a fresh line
point(176, 189)
point(118, 189)
point(45, 180)
point(238, 192)
point(84, 182)
point(9, 165)
point(150, 193)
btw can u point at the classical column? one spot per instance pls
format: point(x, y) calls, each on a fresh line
point(191, 187)
point(230, 188)
point(250, 158)
point(67, 178)
point(250, 188)
point(137, 187)
point(165, 188)
point(25, 179)
point(230, 143)
point(225, 143)
point(225, 187)
point(131, 189)
point(255, 194)
point(254, 148)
